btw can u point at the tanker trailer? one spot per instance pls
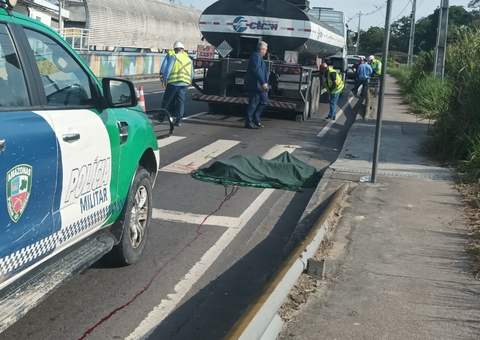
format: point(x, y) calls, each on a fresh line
point(296, 43)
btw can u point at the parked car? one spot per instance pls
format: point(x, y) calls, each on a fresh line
point(78, 160)
point(350, 62)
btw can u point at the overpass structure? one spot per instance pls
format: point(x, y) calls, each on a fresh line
point(154, 24)
point(113, 25)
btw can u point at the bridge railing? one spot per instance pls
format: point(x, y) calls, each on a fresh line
point(78, 38)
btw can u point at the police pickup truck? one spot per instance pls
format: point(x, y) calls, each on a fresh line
point(78, 159)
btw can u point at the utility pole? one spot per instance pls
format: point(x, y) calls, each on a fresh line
point(411, 42)
point(358, 32)
point(60, 19)
point(381, 95)
point(440, 50)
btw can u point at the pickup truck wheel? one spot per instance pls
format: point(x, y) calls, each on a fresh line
point(135, 217)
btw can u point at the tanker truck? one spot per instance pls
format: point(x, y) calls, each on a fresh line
point(298, 40)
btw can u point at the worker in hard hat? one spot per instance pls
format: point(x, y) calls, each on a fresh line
point(376, 66)
point(176, 75)
point(334, 86)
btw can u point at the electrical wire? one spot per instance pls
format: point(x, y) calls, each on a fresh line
point(401, 12)
point(396, 16)
point(369, 13)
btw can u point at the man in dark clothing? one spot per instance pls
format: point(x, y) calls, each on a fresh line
point(357, 64)
point(256, 83)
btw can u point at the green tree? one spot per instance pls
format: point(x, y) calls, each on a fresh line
point(475, 24)
point(423, 34)
point(426, 28)
point(400, 34)
point(371, 41)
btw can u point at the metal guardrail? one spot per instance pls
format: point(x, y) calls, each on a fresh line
point(78, 38)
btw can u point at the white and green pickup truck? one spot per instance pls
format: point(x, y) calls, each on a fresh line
point(78, 159)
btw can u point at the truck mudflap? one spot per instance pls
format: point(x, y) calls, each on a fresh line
point(242, 100)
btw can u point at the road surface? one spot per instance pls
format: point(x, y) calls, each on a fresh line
point(194, 279)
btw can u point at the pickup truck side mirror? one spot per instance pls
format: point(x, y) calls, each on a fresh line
point(119, 93)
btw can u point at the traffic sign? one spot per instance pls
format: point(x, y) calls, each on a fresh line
point(291, 57)
point(224, 49)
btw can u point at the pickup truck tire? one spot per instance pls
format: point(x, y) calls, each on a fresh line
point(136, 217)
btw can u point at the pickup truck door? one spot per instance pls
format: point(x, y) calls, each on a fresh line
point(29, 168)
point(88, 139)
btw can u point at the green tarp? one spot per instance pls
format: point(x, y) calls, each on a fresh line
point(282, 172)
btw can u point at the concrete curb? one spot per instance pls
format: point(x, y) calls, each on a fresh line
point(261, 321)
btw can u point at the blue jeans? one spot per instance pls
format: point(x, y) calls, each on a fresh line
point(359, 82)
point(175, 94)
point(333, 105)
point(257, 101)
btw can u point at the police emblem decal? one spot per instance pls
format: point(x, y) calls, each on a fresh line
point(19, 186)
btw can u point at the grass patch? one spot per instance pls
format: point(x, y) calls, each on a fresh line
point(429, 96)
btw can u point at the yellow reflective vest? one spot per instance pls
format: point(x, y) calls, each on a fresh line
point(340, 84)
point(182, 69)
point(375, 64)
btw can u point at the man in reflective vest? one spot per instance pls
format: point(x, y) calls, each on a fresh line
point(376, 66)
point(334, 86)
point(176, 74)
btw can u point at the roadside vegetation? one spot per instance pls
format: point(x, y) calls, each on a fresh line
point(453, 106)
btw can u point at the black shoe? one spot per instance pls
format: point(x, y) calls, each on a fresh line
point(259, 125)
point(178, 124)
point(251, 127)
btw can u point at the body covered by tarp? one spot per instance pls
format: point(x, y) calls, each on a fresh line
point(282, 172)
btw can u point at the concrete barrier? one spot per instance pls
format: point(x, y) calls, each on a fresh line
point(261, 321)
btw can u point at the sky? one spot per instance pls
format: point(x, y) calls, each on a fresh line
point(375, 9)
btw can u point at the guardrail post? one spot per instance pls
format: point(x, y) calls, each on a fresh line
point(368, 102)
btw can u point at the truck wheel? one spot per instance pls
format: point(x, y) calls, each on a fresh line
point(135, 217)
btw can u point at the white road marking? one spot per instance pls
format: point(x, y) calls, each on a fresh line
point(339, 114)
point(195, 115)
point(194, 160)
point(169, 140)
point(182, 217)
point(166, 306)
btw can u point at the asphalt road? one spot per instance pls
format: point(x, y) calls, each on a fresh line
point(194, 280)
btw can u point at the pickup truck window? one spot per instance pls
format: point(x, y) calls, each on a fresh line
point(64, 80)
point(13, 91)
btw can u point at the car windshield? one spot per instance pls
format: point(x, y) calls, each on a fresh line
point(353, 60)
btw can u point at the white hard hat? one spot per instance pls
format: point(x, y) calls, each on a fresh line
point(371, 58)
point(178, 44)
